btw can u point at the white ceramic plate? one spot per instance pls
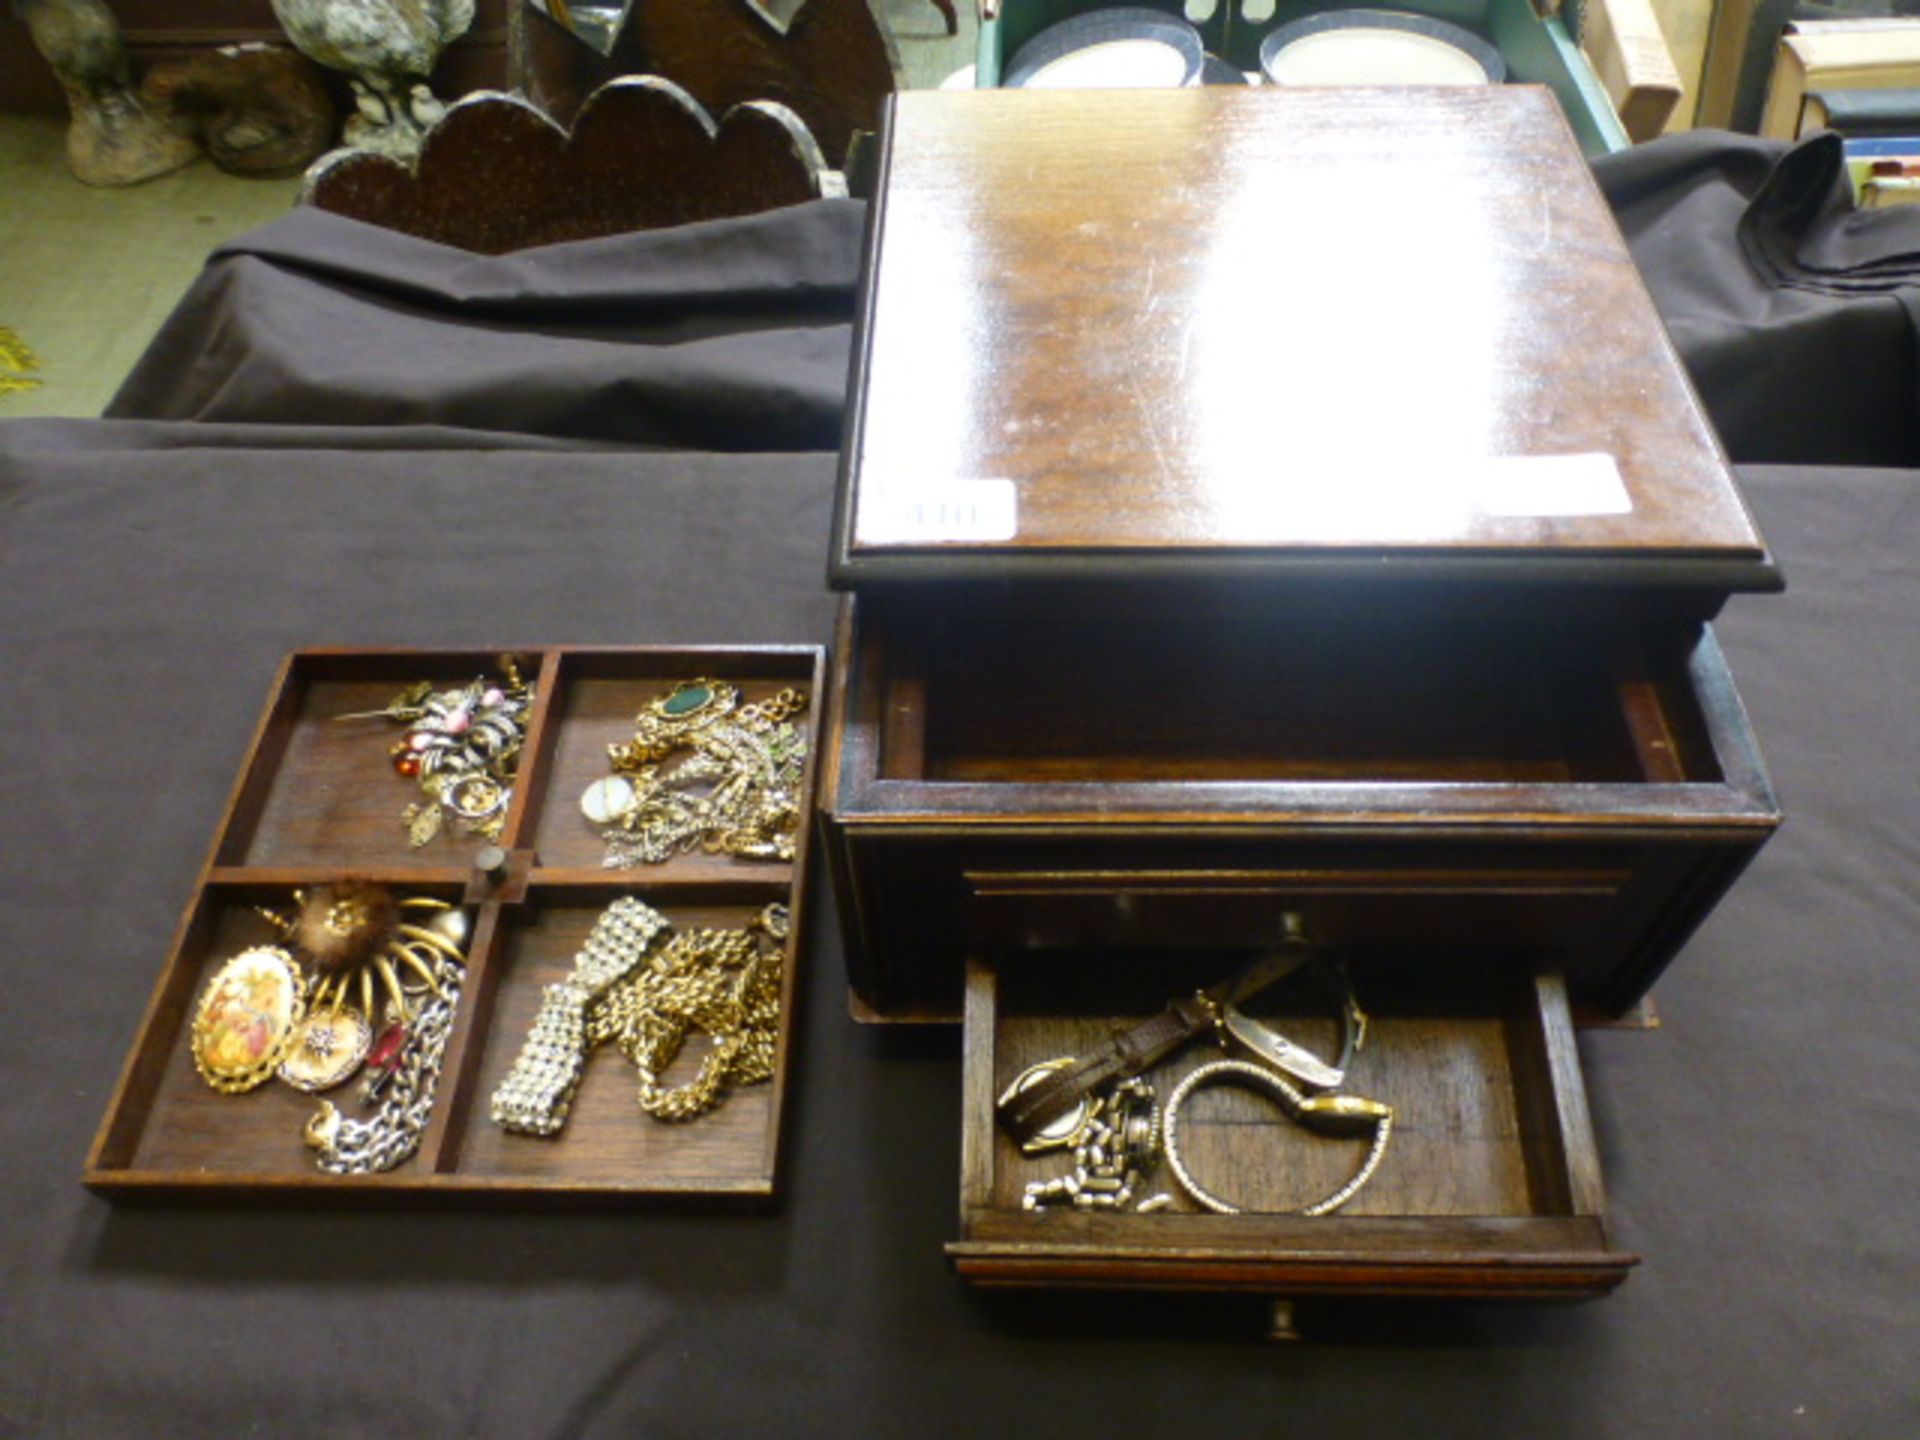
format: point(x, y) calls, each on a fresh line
point(1378, 47)
point(1374, 57)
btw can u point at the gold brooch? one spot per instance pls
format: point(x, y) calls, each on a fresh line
point(326, 1050)
point(247, 1017)
point(264, 1012)
point(462, 746)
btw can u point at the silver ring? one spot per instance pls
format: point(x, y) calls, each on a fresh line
point(491, 798)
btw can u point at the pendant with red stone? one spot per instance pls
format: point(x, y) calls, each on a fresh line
point(383, 1058)
point(386, 1050)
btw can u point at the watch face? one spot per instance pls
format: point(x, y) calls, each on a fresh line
point(1120, 49)
point(607, 799)
point(1378, 47)
point(1068, 1128)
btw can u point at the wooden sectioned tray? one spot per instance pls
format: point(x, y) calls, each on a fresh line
point(317, 802)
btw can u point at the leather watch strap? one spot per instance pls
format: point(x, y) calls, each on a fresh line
point(1026, 1112)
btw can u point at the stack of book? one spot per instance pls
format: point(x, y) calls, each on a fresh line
point(1860, 77)
point(1886, 168)
point(1854, 76)
point(1764, 58)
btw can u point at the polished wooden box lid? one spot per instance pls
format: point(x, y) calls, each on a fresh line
point(1128, 334)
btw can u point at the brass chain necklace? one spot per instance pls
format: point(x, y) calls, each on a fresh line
point(633, 985)
point(724, 984)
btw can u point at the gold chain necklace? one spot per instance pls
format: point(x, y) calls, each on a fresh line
point(724, 984)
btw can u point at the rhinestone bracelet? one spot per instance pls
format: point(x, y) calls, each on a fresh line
point(537, 1092)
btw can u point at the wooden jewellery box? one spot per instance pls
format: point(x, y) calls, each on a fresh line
point(1265, 511)
point(318, 803)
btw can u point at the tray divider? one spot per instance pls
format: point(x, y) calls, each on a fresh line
point(530, 784)
point(289, 877)
point(1648, 728)
point(446, 1134)
point(794, 889)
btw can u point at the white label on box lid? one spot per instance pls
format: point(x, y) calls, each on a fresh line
point(956, 512)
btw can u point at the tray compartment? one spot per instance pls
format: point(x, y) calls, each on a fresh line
point(170, 1129)
point(598, 696)
point(1490, 1183)
point(1217, 698)
point(322, 792)
point(608, 1142)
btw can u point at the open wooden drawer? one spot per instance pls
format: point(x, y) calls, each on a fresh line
point(1489, 1185)
point(1573, 794)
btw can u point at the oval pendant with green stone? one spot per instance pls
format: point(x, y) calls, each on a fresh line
point(686, 700)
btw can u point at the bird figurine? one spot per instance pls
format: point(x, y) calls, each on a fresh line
point(119, 135)
point(388, 49)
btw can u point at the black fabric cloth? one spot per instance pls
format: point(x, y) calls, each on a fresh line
point(731, 335)
point(1795, 314)
point(1803, 230)
point(1759, 1147)
point(52, 436)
